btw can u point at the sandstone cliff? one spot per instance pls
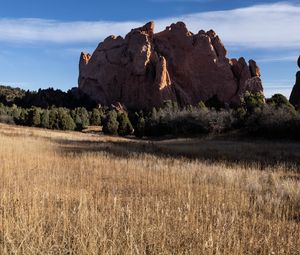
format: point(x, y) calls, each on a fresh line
point(295, 95)
point(144, 69)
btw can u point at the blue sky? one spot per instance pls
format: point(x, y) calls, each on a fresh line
point(40, 41)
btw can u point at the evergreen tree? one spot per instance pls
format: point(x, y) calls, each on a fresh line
point(84, 115)
point(279, 100)
point(77, 120)
point(111, 124)
point(65, 121)
point(81, 118)
point(15, 113)
point(2, 109)
point(252, 101)
point(139, 130)
point(45, 119)
point(95, 118)
point(125, 126)
point(53, 120)
point(34, 117)
point(22, 118)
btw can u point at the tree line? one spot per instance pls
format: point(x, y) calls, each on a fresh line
point(273, 118)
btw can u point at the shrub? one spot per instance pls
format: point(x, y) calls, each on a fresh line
point(95, 117)
point(251, 101)
point(201, 105)
point(84, 116)
point(110, 123)
point(65, 121)
point(80, 117)
point(22, 119)
point(279, 100)
point(125, 126)
point(139, 130)
point(45, 119)
point(6, 119)
point(273, 122)
point(187, 121)
point(53, 120)
point(34, 117)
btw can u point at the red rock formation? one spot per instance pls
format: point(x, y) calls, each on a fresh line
point(295, 95)
point(144, 69)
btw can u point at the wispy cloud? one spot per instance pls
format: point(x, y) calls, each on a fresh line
point(288, 58)
point(40, 30)
point(258, 26)
point(271, 88)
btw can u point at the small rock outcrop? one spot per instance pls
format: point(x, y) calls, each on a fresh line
point(144, 69)
point(295, 95)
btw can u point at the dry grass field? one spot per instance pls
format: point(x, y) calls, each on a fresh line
point(75, 193)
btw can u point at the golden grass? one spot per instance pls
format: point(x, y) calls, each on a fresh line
point(58, 197)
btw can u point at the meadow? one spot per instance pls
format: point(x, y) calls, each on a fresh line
point(77, 193)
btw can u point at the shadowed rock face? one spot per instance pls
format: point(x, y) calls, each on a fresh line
point(144, 69)
point(295, 95)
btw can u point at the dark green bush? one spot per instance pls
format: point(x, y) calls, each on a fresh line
point(187, 121)
point(279, 100)
point(64, 120)
point(34, 117)
point(139, 130)
point(95, 117)
point(45, 119)
point(251, 101)
point(53, 118)
point(125, 126)
point(274, 122)
point(110, 123)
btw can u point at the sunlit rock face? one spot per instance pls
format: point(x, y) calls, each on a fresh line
point(295, 95)
point(144, 69)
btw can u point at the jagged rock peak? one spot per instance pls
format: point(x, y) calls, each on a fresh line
point(144, 69)
point(85, 58)
point(295, 95)
point(148, 28)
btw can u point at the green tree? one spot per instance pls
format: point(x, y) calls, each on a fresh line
point(111, 124)
point(139, 130)
point(125, 126)
point(2, 109)
point(81, 118)
point(53, 120)
point(251, 100)
point(65, 121)
point(15, 112)
point(84, 115)
point(95, 118)
point(279, 100)
point(34, 117)
point(23, 117)
point(45, 119)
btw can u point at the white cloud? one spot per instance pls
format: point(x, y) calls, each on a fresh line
point(259, 26)
point(40, 30)
point(280, 58)
point(270, 90)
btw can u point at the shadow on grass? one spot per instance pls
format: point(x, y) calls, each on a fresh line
point(259, 153)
